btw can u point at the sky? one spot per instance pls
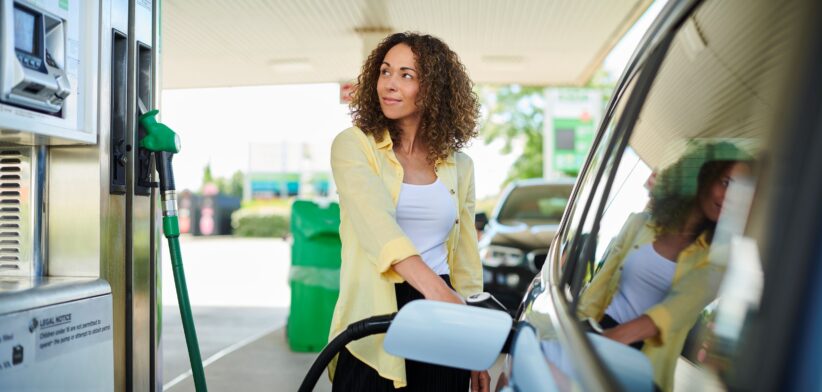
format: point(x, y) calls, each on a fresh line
point(218, 125)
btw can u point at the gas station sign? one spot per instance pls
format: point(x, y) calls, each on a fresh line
point(571, 115)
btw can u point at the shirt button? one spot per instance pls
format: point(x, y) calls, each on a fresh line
point(452, 191)
point(456, 222)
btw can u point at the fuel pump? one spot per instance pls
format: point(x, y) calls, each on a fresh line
point(78, 254)
point(164, 143)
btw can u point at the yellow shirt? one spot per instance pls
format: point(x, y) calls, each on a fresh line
point(691, 290)
point(368, 178)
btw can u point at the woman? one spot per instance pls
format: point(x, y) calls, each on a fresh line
point(656, 276)
point(406, 206)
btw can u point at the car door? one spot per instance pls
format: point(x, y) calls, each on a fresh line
point(716, 81)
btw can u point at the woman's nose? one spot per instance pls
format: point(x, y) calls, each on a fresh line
point(391, 84)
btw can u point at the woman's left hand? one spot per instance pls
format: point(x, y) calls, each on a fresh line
point(636, 330)
point(480, 381)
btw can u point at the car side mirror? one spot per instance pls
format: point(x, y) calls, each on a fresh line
point(480, 221)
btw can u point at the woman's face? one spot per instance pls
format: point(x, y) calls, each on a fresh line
point(399, 84)
point(711, 200)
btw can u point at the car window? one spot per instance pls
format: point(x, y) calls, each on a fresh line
point(675, 219)
point(587, 192)
point(535, 204)
point(539, 310)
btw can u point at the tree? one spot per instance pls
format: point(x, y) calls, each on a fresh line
point(515, 114)
point(232, 186)
point(208, 178)
point(235, 185)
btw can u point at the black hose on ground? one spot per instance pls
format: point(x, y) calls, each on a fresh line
point(358, 330)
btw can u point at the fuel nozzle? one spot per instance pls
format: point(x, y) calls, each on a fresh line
point(159, 137)
point(164, 143)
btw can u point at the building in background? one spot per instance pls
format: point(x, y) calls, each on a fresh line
point(284, 169)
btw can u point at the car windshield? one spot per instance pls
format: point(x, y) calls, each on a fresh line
point(535, 204)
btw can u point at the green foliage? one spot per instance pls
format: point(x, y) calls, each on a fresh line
point(233, 186)
point(514, 114)
point(250, 222)
point(207, 176)
point(227, 186)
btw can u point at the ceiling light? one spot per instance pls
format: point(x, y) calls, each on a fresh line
point(291, 65)
point(504, 62)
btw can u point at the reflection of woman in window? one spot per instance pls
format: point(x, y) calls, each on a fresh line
point(655, 277)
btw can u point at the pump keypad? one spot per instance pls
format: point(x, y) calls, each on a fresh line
point(30, 62)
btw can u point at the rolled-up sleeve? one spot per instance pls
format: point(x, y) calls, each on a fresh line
point(682, 306)
point(368, 204)
point(467, 263)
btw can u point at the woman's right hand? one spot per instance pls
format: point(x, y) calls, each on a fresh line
point(414, 270)
point(447, 295)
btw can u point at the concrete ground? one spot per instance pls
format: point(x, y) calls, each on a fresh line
point(239, 292)
point(240, 296)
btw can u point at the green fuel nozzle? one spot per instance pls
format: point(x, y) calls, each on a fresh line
point(159, 137)
point(164, 143)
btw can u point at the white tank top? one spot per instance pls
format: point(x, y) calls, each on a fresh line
point(645, 281)
point(426, 213)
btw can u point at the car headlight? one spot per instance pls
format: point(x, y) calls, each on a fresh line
point(495, 256)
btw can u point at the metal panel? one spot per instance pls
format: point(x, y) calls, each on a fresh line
point(114, 15)
point(139, 207)
point(49, 326)
point(80, 197)
point(19, 204)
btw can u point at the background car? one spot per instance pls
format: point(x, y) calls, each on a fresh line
point(515, 241)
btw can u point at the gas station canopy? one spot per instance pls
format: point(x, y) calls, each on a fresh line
point(213, 43)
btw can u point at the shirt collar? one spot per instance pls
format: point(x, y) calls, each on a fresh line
point(387, 143)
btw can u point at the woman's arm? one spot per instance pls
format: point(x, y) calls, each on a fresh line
point(423, 279)
point(636, 330)
point(368, 204)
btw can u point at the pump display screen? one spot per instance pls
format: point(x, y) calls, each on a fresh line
point(24, 33)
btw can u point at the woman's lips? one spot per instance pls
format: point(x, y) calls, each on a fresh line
point(390, 101)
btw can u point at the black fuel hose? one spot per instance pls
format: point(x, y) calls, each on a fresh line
point(163, 161)
point(355, 331)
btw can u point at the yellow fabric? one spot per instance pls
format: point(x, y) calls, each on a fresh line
point(691, 290)
point(368, 178)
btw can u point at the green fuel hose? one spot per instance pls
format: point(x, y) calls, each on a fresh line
point(171, 231)
point(164, 143)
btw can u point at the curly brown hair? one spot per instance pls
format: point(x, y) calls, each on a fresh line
point(448, 106)
point(680, 185)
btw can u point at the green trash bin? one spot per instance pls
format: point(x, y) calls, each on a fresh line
point(315, 274)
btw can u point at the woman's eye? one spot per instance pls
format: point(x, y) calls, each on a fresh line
point(407, 76)
point(726, 182)
point(384, 72)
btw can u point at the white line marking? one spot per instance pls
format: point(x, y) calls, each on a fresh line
point(228, 350)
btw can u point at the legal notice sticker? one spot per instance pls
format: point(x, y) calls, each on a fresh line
point(37, 335)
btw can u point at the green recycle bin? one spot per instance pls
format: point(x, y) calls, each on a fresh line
point(315, 274)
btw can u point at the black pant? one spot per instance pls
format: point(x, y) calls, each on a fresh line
point(352, 374)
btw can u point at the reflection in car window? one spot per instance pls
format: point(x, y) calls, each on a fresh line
point(712, 106)
point(655, 277)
